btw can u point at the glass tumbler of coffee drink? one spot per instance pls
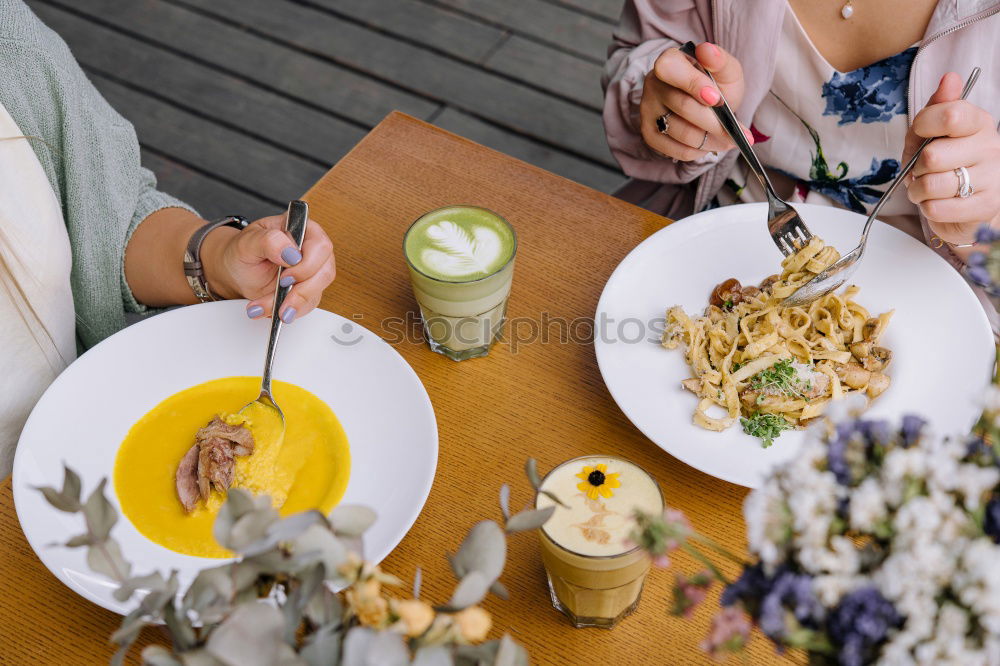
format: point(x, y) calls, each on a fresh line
point(595, 575)
point(461, 261)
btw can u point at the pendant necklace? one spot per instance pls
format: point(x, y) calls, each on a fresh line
point(847, 11)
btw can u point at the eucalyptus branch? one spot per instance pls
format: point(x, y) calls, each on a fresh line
point(294, 560)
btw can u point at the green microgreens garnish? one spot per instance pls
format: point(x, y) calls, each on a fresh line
point(766, 427)
point(780, 379)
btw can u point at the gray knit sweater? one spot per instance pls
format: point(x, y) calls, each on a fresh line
point(91, 157)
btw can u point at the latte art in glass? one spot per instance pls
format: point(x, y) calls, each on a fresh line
point(459, 244)
point(462, 252)
point(461, 260)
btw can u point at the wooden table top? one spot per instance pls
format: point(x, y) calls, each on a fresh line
point(545, 400)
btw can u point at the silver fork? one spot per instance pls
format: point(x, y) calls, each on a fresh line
point(786, 227)
point(841, 271)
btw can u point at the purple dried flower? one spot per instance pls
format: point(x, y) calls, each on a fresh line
point(836, 455)
point(911, 429)
point(661, 562)
point(979, 275)
point(978, 450)
point(976, 259)
point(991, 520)
point(855, 437)
point(874, 432)
point(789, 592)
point(986, 235)
point(844, 507)
point(689, 592)
point(859, 624)
point(750, 586)
point(729, 633)
point(769, 598)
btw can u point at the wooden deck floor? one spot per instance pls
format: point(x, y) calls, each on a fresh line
point(241, 104)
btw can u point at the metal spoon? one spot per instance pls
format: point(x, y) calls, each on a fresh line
point(841, 271)
point(295, 225)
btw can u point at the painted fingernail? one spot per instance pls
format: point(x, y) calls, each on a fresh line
point(710, 95)
point(291, 256)
point(287, 280)
point(255, 311)
point(749, 135)
point(288, 316)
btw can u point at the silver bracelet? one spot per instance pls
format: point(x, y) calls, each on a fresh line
point(194, 271)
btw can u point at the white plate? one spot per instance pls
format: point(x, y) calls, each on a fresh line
point(940, 337)
point(85, 414)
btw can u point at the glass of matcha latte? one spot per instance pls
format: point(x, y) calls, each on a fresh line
point(595, 575)
point(461, 261)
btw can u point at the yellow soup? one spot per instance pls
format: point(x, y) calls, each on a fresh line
point(308, 468)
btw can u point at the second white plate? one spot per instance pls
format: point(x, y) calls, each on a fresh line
point(940, 337)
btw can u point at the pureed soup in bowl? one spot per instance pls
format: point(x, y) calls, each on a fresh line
point(306, 467)
point(595, 574)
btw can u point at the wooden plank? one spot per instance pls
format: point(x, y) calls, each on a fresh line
point(203, 90)
point(555, 24)
point(523, 59)
point(438, 28)
point(272, 174)
point(210, 197)
point(583, 172)
point(279, 67)
point(466, 87)
point(610, 10)
point(562, 73)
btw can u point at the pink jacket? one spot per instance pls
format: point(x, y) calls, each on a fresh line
point(961, 34)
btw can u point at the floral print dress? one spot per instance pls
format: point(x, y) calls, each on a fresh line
point(831, 137)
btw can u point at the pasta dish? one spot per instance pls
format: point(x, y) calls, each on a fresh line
point(774, 367)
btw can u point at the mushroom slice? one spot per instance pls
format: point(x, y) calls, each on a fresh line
point(727, 294)
point(862, 349)
point(853, 375)
point(877, 385)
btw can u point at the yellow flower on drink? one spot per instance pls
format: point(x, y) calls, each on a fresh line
point(597, 482)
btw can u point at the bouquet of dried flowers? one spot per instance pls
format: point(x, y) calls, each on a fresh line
point(876, 544)
point(277, 604)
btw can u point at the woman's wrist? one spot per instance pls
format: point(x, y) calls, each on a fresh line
point(213, 260)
